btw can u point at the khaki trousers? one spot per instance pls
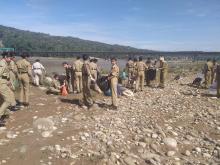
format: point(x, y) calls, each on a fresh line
point(140, 80)
point(162, 79)
point(79, 84)
point(8, 98)
point(87, 96)
point(24, 88)
point(114, 84)
point(208, 79)
point(218, 85)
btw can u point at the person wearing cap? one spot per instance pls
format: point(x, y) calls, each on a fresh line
point(113, 78)
point(77, 68)
point(141, 67)
point(86, 81)
point(5, 87)
point(69, 76)
point(207, 70)
point(38, 69)
point(163, 68)
point(130, 70)
point(24, 74)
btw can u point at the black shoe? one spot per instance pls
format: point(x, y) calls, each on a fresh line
point(26, 104)
point(114, 107)
point(4, 117)
point(15, 108)
point(2, 122)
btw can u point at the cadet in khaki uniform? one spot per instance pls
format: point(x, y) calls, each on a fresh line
point(147, 71)
point(24, 74)
point(77, 68)
point(13, 71)
point(141, 66)
point(163, 68)
point(55, 86)
point(94, 69)
point(130, 70)
point(113, 78)
point(86, 80)
point(213, 75)
point(5, 87)
point(208, 73)
point(218, 80)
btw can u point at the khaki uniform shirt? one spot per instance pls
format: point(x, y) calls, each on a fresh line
point(24, 66)
point(4, 71)
point(114, 71)
point(163, 67)
point(56, 84)
point(13, 67)
point(93, 66)
point(77, 66)
point(86, 71)
point(208, 67)
point(141, 66)
point(130, 65)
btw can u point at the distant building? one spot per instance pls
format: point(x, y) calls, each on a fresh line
point(1, 44)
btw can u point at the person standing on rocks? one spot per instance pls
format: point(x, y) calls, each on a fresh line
point(38, 69)
point(13, 71)
point(213, 76)
point(163, 72)
point(141, 67)
point(77, 68)
point(5, 87)
point(69, 76)
point(86, 81)
point(208, 73)
point(218, 80)
point(113, 78)
point(148, 71)
point(94, 69)
point(24, 74)
point(130, 71)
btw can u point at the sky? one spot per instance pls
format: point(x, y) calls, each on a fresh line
point(165, 25)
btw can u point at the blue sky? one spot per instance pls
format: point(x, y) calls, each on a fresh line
point(167, 25)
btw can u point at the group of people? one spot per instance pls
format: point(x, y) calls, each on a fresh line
point(80, 76)
point(211, 73)
point(140, 72)
point(10, 73)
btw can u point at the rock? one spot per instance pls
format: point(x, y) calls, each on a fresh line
point(44, 124)
point(170, 142)
point(187, 153)
point(129, 161)
point(11, 135)
point(46, 134)
point(171, 153)
point(206, 155)
point(23, 149)
point(154, 136)
point(197, 149)
point(4, 161)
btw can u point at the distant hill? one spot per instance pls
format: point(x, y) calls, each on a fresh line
point(31, 41)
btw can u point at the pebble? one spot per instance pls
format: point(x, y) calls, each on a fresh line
point(171, 153)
